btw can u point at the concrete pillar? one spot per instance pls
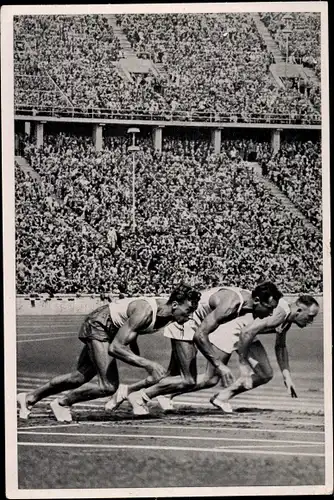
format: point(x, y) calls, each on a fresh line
point(98, 136)
point(216, 139)
point(27, 128)
point(157, 138)
point(39, 133)
point(17, 144)
point(276, 139)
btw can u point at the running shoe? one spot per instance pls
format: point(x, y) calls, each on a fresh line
point(117, 399)
point(225, 406)
point(138, 404)
point(165, 403)
point(62, 413)
point(25, 409)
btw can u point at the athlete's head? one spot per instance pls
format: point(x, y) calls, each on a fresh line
point(304, 310)
point(265, 298)
point(184, 301)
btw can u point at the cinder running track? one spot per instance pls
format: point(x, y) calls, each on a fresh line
point(269, 440)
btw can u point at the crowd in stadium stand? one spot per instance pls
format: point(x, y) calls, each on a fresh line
point(201, 218)
point(296, 169)
point(304, 36)
point(46, 229)
point(211, 63)
point(304, 46)
point(77, 52)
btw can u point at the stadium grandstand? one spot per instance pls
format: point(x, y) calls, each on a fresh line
point(224, 181)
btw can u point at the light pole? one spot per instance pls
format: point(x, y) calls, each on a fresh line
point(133, 149)
point(287, 30)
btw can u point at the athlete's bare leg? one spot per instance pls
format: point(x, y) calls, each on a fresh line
point(263, 372)
point(185, 353)
point(106, 369)
point(203, 381)
point(124, 390)
point(172, 370)
point(84, 372)
point(209, 378)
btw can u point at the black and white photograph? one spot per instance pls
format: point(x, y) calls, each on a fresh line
point(166, 247)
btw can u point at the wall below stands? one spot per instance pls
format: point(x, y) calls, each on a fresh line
point(69, 304)
point(59, 305)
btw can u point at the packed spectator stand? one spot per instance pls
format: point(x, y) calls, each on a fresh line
point(304, 36)
point(304, 45)
point(201, 217)
point(216, 64)
point(296, 169)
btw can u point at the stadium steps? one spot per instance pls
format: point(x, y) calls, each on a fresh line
point(268, 39)
point(128, 51)
point(162, 72)
point(25, 167)
point(276, 51)
point(311, 75)
point(282, 197)
point(118, 32)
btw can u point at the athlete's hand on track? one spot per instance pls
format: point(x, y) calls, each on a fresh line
point(290, 386)
point(156, 371)
point(225, 375)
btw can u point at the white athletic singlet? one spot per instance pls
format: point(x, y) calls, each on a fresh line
point(186, 332)
point(283, 303)
point(203, 308)
point(226, 336)
point(119, 311)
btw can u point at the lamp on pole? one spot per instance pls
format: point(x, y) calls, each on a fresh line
point(133, 149)
point(287, 31)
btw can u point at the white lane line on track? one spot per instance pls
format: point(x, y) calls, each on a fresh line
point(225, 418)
point(40, 334)
point(163, 436)
point(303, 399)
point(33, 383)
point(271, 404)
point(116, 425)
point(255, 392)
point(276, 407)
point(275, 446)
point(253, 401)
point(26, 386)
point(196, 427)
point(301, 411)
point(267, 403)
point(35, 380)
point(172, 448)
point(259, 397)
point(45, 325)
point(51, 426)
point(223, 415)
point(46, 338)
point(218, 420)
point(278, 390)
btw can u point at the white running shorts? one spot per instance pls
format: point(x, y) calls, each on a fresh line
point(181, 332)
point(226, 336)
